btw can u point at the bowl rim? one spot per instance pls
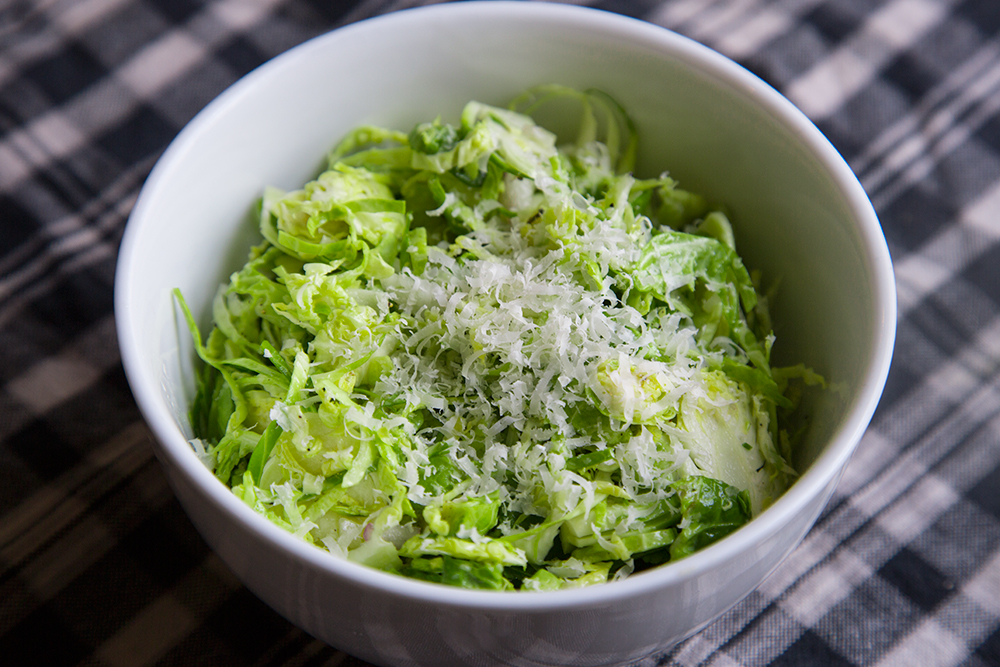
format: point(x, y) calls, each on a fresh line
point(820, 475)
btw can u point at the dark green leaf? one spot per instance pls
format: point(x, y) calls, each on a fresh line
point(713, 509)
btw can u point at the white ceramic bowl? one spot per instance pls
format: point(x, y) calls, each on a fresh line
point(799, 213)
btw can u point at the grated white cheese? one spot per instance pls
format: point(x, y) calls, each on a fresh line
point(518, 361)
point(516, 339)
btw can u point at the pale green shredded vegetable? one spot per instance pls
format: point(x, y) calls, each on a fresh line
point(473, 356)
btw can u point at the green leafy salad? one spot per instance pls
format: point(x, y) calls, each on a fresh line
point(472, 356)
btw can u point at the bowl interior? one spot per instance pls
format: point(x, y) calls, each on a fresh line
point(799, 215)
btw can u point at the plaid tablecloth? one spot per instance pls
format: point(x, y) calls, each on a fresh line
point(99, 565)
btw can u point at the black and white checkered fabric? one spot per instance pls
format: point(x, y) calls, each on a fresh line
point(98, 564)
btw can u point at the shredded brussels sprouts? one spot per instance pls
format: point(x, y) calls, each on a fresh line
point(473, 356)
